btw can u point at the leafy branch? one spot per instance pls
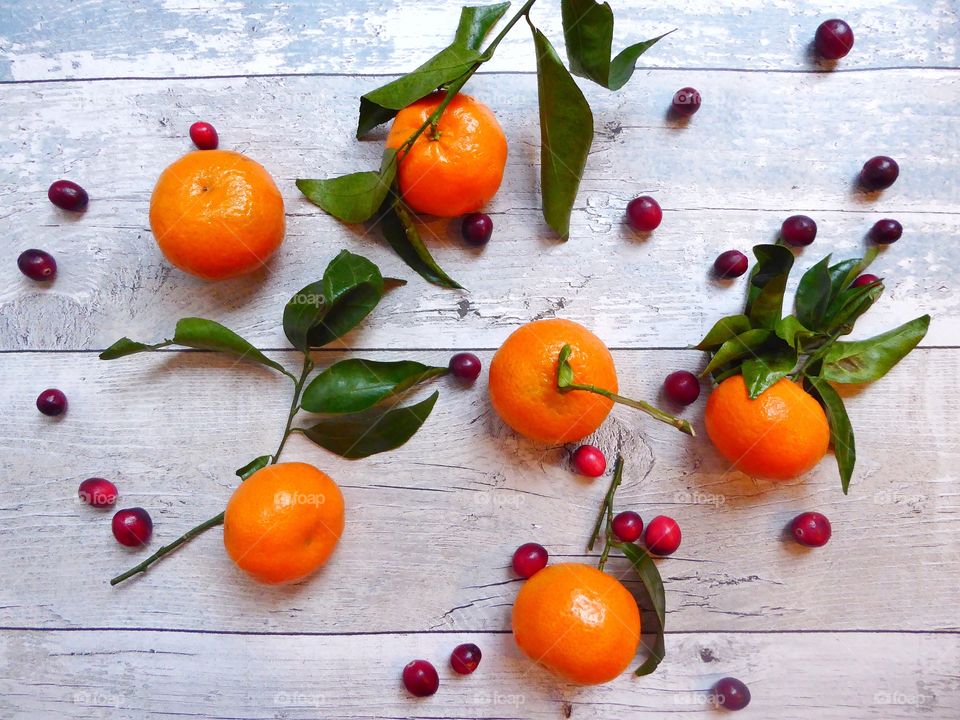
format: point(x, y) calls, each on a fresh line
point(765, 347)
point(348, 392)
point(566, 120)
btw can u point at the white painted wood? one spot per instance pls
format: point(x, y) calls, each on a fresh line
point(47, 39)
point(774, 150)
point(152, 674)
point(431, 527)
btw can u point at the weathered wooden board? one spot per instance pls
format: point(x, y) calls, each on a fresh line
point(431, 526)
point(48, 40)
point(833, 676)
point(770, 155)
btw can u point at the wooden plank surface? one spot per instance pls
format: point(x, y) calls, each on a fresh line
point(47, 39)
point(845, 676)
point(770, 157)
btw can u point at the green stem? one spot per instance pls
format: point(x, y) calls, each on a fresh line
point(606, 507)
point(819, 353)
point(167, 549)
point(218, 519)
point(680, 424)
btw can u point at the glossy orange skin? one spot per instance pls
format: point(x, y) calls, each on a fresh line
point(523, 381)
point(217, 214)
point(578, 622)
point(283, 522)
point(780, 435)
point(460, 171)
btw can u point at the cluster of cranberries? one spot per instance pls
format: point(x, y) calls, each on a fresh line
point(421, 679)
point(131, 527)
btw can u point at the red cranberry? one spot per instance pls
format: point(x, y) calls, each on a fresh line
point(811, 529)
point(132, 527)
point(628, 526)
point(589, 460)
point(465, 366)
point(730, 264)
point(465, 658)
point(204, 136)
point(682, 387)
point(731, 694)
point(834, 39)
point(420, 678)
point(886, 231)
point(529, 559)
point(686, 101)
point(98, 492)
point(798, 230)
point(865, 279)
point(37, 265)
point(52, 402)
point(644, 213)
point(663, 535)
point(67, 195)
point(476, 228)
point(879, 173)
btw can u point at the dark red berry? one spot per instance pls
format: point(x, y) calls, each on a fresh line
point(865, 279)
point(731, 694)
point(834, 39)
point(465, 658)
point(67, 195)
point(465, 366)
point(798, 230)
point(37, 265)
point(686, 101)
point(529, 559)
point(730, 264)
point(628, 526)
point(644, 213)
point(589, 460)
point(811, 529)
point(52, 402)
point(98, 492)
point(886, 231)
point(879, 173)
point(420, 678)
point(132, 527)
point(476, 228)
point(662, 536)
point(682, 387)
point(204, 136)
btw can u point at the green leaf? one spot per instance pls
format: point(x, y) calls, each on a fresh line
point(374, 431)
point(400, 230)
point(564, 371)
point(813, 295)
point(767, 284)
point(849, 305)
point(326, 309)
point(356, 197)
point(125, 346)
point(205, 334)
point(724, 329)
point(866, 360)
point(650, 577)
point(588, 33)
point(743, 345)
point(251, 467)
point(845, 272)
point(380, 105)
point(354, 385)
point(566, 133)
point(841, 432)
point(791, 331)
point(774, 360)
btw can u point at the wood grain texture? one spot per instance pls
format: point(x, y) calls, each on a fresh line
point(772, 153)
point(47, 39)
point(431, 527)
point(150, 674)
